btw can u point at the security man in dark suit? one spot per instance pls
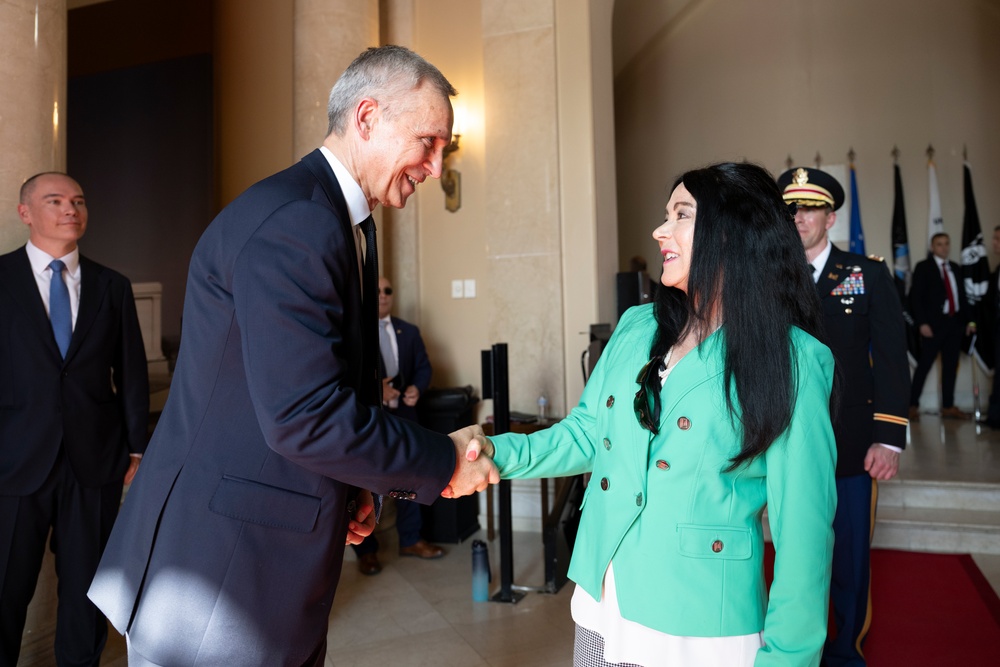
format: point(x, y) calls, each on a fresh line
point(942, 315)
point(74, 411)
point(864, 328)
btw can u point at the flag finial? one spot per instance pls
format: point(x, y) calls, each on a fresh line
point(789, 161)
point(819, 160)
point(965, 153)
point(930, 152)
point(850, 155)
point(895, 154)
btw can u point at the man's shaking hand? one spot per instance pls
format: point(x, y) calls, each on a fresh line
point(472, 472)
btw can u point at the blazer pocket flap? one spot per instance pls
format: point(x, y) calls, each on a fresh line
point(246, 500)
point(722, 542)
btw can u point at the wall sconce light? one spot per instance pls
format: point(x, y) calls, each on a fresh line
point(451, 179)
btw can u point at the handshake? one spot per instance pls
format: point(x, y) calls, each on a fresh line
point(472, 471)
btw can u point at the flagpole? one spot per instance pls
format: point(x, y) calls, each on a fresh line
point(901, 259)
point(976, 413)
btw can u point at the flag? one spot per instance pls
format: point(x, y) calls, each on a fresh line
point(901, 266)
point(935, 222)
point(975, 276)
point(857, 234)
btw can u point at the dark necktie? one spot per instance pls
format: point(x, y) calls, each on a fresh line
point(947, 288)
point(60, 314)
point(369, 300)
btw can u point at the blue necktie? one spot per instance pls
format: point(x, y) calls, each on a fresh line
point(59, 311)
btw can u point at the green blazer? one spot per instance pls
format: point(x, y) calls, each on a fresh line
point(686, 537)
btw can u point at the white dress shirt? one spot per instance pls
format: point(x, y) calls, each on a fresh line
point(40, 261)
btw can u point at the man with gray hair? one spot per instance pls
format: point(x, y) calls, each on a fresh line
point(229, 546)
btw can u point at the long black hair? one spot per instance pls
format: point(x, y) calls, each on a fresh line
point(748, 264)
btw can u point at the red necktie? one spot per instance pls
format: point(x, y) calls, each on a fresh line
point(947, 288)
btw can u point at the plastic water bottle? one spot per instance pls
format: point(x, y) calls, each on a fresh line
point(543, 409)
point(480, 571)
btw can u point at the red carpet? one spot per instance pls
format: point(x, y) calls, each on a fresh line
point(929, 609)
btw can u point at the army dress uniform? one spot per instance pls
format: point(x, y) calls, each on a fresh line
point(864, 327)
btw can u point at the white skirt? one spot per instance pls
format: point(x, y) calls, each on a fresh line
point(629, 642)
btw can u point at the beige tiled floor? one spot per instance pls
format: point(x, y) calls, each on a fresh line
point(421, 613)
point(950, 450)
point(406, 614)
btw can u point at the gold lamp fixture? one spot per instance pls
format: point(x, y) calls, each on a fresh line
point(451, 179)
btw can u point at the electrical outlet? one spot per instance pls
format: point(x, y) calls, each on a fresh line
point(470, 288)
point(456, 289)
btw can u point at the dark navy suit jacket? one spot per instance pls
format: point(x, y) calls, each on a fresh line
point(414, 366)
point(927, 295)
point(94, 404)
point(229, 546)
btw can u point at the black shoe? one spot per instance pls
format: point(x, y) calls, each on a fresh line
point(368, 564)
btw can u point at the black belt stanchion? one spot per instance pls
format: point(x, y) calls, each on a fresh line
point(495, 382)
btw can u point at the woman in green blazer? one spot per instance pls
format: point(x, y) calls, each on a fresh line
point(731, 414)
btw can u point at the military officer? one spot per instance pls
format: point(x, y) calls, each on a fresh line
point(864, 327)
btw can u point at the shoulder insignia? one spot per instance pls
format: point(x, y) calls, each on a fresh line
point(876, 258)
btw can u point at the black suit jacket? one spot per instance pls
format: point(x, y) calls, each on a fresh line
point(927, 295)
point(94, 404)
point(864, 328)
point(414, 366)
point(229, 546)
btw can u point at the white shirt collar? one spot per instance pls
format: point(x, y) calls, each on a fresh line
point(357, 204)
point(385, 320)
point(40, 259)
point(820, 261)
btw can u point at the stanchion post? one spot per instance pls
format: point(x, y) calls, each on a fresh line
point(499, 392)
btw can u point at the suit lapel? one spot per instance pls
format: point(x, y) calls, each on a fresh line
point(697, 367)
point(24, 290)
point(92, 287)
point(834, 272)
point(317, 163)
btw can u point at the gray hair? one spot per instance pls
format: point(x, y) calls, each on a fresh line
point(383, 73)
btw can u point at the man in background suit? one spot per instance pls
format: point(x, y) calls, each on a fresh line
point(74, 411)
point(406, 373)
point(993, 313)
point(864, 328)
point(941, 315)
point(230, 544)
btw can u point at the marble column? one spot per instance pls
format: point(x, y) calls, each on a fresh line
point(33, 102)
point(399, 231)
point(523, 197)
point(329, 34)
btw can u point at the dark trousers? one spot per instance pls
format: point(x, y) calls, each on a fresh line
point(850, 586)
point(408, 525)
point(80, 520)
point(947, 340)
